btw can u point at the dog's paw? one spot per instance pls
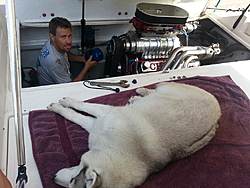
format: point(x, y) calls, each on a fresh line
point(133, 99)
point(66, 101)
point(54, 107)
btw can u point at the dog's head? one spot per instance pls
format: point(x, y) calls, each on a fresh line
point(77, 177)
point(100, 171)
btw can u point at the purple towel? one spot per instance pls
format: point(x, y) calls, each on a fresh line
point(224, 162)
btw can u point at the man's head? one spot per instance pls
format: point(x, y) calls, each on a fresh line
point(60, 34)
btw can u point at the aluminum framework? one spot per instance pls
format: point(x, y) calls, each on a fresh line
point(15, 68)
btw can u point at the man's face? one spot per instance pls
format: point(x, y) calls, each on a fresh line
point(63, 39)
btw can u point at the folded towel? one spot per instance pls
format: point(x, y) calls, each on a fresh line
point(225, 162)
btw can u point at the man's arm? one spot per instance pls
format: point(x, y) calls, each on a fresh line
point(76, 58)
point(88, 65)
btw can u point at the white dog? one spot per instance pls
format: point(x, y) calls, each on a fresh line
point(127, 143)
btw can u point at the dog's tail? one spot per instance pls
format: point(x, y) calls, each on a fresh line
point(203, 141)
point(198, 144)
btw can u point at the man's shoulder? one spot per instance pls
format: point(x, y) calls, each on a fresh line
point(47, 53)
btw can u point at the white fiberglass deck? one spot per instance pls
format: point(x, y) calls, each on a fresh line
point(39, 97)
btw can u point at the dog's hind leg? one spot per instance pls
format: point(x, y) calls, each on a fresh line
point(90, 108)
point(85, 122)
point(133, 99)
point(144, 91)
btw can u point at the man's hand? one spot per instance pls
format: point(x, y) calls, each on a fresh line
point(89, 63)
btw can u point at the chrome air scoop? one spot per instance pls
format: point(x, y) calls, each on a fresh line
point(161, 14)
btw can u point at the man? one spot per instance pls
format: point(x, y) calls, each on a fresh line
point(53, 65)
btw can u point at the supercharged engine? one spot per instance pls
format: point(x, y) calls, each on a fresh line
point(160, 41)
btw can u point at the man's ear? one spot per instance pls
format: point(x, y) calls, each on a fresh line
point(93, 181)
point(52, 37)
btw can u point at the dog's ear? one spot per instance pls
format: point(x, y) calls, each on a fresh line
point(65, 177)
point(79, 180)
point(93, 180)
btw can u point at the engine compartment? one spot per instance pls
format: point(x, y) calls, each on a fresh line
point(161, 38)
point(159, 44)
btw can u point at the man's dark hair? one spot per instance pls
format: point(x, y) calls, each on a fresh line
point(58, 22)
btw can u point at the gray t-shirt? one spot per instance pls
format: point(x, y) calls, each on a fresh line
point(52, 66)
